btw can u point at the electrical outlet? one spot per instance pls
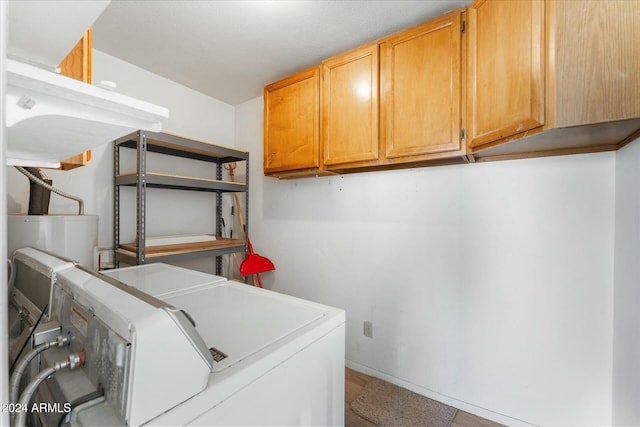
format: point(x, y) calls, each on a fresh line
point(368, 329)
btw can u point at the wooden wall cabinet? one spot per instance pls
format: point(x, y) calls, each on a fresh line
point(500, 80)
point(506, 69)
point(292, 125)
point(593, 64)
point(396, 101)
point(77, 65)
point(549, 77)
point(392, 102)
point(421, 92)
point(350, 113)
point(76, 161)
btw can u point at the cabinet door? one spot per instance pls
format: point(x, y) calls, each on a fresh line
point(291, 123)
point(505, 69)
point(420, 90)
point(350, 108)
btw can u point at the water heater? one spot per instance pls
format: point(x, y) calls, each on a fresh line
point(74, 237)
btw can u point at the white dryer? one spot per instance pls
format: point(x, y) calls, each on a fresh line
point(278, 360)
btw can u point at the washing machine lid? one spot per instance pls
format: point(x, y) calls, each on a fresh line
point(41, 261)
point(36, 272)
point(237, 321)
point(160, 279)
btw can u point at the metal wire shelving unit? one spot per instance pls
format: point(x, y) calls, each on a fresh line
point(137, 252)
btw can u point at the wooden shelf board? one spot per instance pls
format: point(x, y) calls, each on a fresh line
point(129, 249)
point(168, 180)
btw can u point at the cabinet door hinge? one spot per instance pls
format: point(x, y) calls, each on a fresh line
point(463, 26)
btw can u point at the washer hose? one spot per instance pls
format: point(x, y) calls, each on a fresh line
point(14, 382)
point(40, 182)
point(12, 274)
point(73, 361)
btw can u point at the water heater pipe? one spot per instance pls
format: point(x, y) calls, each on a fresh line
point(37, 180)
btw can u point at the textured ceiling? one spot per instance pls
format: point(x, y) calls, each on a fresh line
point(231, 49)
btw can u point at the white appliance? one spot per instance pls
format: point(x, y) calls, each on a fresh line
point(281, 359)
point(254, 357)
point(69, 236)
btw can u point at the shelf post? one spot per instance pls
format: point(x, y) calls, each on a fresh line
point(116, 203)
point(141, 151)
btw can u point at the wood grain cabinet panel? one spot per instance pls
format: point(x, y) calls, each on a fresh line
point(552, 77)
point(420, 91)
point(506, 69)
point(291, 124)
point(77, 65)
point(596, 60)
point(349, 128)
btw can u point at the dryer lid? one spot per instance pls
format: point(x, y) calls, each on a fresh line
point(239, 321)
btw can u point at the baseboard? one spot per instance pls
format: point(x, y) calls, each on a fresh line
point(467, 407)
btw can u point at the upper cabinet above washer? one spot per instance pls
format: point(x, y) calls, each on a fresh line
point(349, 126)
point(550, 77)
point(506, 69)
point(291, 124)
point(420, 85)
point(396, 101)
point(499, 80)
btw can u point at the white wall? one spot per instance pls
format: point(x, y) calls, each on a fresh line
point(4, 333)
point(192, 114)
point(490, 286)
point(626, 348)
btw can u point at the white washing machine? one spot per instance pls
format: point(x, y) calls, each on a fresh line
point(164, 345)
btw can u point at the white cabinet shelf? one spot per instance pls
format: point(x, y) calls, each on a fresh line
point(51, 117)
